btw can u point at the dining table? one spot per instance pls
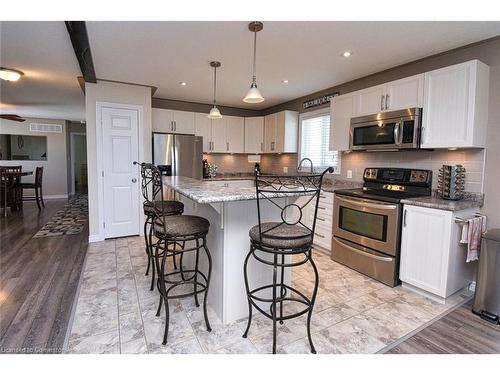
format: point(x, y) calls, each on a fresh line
point(7, 177)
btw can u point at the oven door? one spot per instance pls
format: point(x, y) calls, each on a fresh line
point(368, 223)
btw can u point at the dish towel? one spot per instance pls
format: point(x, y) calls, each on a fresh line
point(476, 227)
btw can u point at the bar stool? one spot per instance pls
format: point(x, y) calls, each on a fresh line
point(279, 244)
point(171, 230)
point(168, 208)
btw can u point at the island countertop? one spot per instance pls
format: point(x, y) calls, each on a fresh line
point(215, 191)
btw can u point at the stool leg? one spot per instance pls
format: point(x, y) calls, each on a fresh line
point(161, 277)
point(245, 276)
point(274, 302)
point(195, 276)
point(209, 257)
point(282, 289)
point(146, 239)
point(313, 299)
point(180, 261)
point(154, 261)
point(157, 265)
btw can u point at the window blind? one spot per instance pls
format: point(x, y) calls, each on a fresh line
point(315, 139)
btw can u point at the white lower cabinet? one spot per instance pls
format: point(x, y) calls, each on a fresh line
point(432, 259)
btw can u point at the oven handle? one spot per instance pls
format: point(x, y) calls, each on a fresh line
point(364, 253)
point(366, 203)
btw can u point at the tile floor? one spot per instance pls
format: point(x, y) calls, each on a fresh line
point(115, 312)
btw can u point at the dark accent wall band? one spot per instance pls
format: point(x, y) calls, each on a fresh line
point(180, 105)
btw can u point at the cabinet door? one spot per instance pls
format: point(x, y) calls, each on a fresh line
point(447, 105)
point(270, 128)
point(203, 129)
point(219, 135)
point(254, 135)
point(405, 93)
point(341, 111)
point(183, 122)
point(370, 100)
point(162, 120)
point(235, 134)
point(425, 245)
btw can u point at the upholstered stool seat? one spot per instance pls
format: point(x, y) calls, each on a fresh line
point(181, 226)
point(281, 235)
point(170, 207)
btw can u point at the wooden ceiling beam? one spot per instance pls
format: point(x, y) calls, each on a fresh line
point(79, 39)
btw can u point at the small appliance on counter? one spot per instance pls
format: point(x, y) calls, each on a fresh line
point(257, 168)
point(205, 169)
point(451, 182)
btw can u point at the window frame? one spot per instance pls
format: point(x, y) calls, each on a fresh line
point(308, 115)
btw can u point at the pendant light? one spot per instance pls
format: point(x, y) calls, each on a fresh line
point(214, 112)
point(253, 94)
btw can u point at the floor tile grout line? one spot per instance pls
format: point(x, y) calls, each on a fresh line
point(117, 299)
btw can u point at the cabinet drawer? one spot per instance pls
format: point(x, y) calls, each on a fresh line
point(323, 237)
point(326, 198)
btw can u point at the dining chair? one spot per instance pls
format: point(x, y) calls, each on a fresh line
point(12, 184)
point(37, 186)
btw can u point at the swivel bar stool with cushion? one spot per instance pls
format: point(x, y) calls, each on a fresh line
point(282, 244)
point(169, 208)
point(171, 230)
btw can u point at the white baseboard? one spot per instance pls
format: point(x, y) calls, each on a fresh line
point(95, 238)
point(56, 196)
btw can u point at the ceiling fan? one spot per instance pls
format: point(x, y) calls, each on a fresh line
point(12, 118)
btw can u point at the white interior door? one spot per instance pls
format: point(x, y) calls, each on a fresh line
point(121, 178)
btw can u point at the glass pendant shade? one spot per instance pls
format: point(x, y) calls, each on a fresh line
point(253, 95)
point(214, 113)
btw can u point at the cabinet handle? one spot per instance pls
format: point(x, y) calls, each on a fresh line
point(422, 135)
point(320, 219)
point(319, 235)
point(322, 208)
point(261, 146)
point(175, 125)
point(386, 101)
point(404, 218)
point(382, 103)
point(171, 126)
point(272, 146)
point(227, 146)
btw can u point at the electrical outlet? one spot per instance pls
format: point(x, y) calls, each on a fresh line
point(285, 169)
point(349, 173)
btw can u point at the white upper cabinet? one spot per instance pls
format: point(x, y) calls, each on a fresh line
point(405, 93)
point(281, 132)
point(203, 128)
point(219, 135)
point(400, 94)
point(169, 121)
point(370, 100)
point(254, 135)
point(456, 106)
point(235, 134)
point(341, 111)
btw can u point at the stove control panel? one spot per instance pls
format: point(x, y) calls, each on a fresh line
point(370, 174)
point(398, 176)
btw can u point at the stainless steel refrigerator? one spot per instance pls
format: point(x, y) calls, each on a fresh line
point(178, 154)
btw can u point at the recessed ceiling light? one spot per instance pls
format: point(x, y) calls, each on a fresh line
point(285, 81)
point(346, 54)
point(183, 83)
point(10, 74)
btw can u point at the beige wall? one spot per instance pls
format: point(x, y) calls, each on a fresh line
point(112, 93)
point(54, 182)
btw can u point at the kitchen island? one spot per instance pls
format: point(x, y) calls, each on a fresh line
point(231, 209)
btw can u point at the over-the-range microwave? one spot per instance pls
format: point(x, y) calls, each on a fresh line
point(393, 130)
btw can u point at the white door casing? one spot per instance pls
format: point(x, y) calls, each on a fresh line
point(121, 129)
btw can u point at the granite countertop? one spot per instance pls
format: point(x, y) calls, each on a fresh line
point(231, 176)
point(332, 184)
point(471, 200)
point(202, 191)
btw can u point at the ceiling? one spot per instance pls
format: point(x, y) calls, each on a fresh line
point(162, 54)
point(49, 88)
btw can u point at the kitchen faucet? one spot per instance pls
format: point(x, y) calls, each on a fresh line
point(299, 168)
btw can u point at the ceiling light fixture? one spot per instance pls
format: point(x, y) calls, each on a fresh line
point(253, 94)
point(346, 54)
point(214, 112)
point(285, 81)
point(182, 83)
point(11, 75)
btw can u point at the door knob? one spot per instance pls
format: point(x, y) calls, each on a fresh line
point(134, 180)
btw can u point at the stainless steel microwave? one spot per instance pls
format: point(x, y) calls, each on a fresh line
point(393, 130)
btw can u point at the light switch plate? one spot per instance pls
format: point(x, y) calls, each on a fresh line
point(285, 169)
point(349, 173)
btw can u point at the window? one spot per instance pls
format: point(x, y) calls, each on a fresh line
point(315, 139)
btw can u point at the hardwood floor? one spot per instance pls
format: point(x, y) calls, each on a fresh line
point(38, 280)
point(459, 332)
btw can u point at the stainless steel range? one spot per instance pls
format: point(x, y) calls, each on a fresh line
point(367, 225)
